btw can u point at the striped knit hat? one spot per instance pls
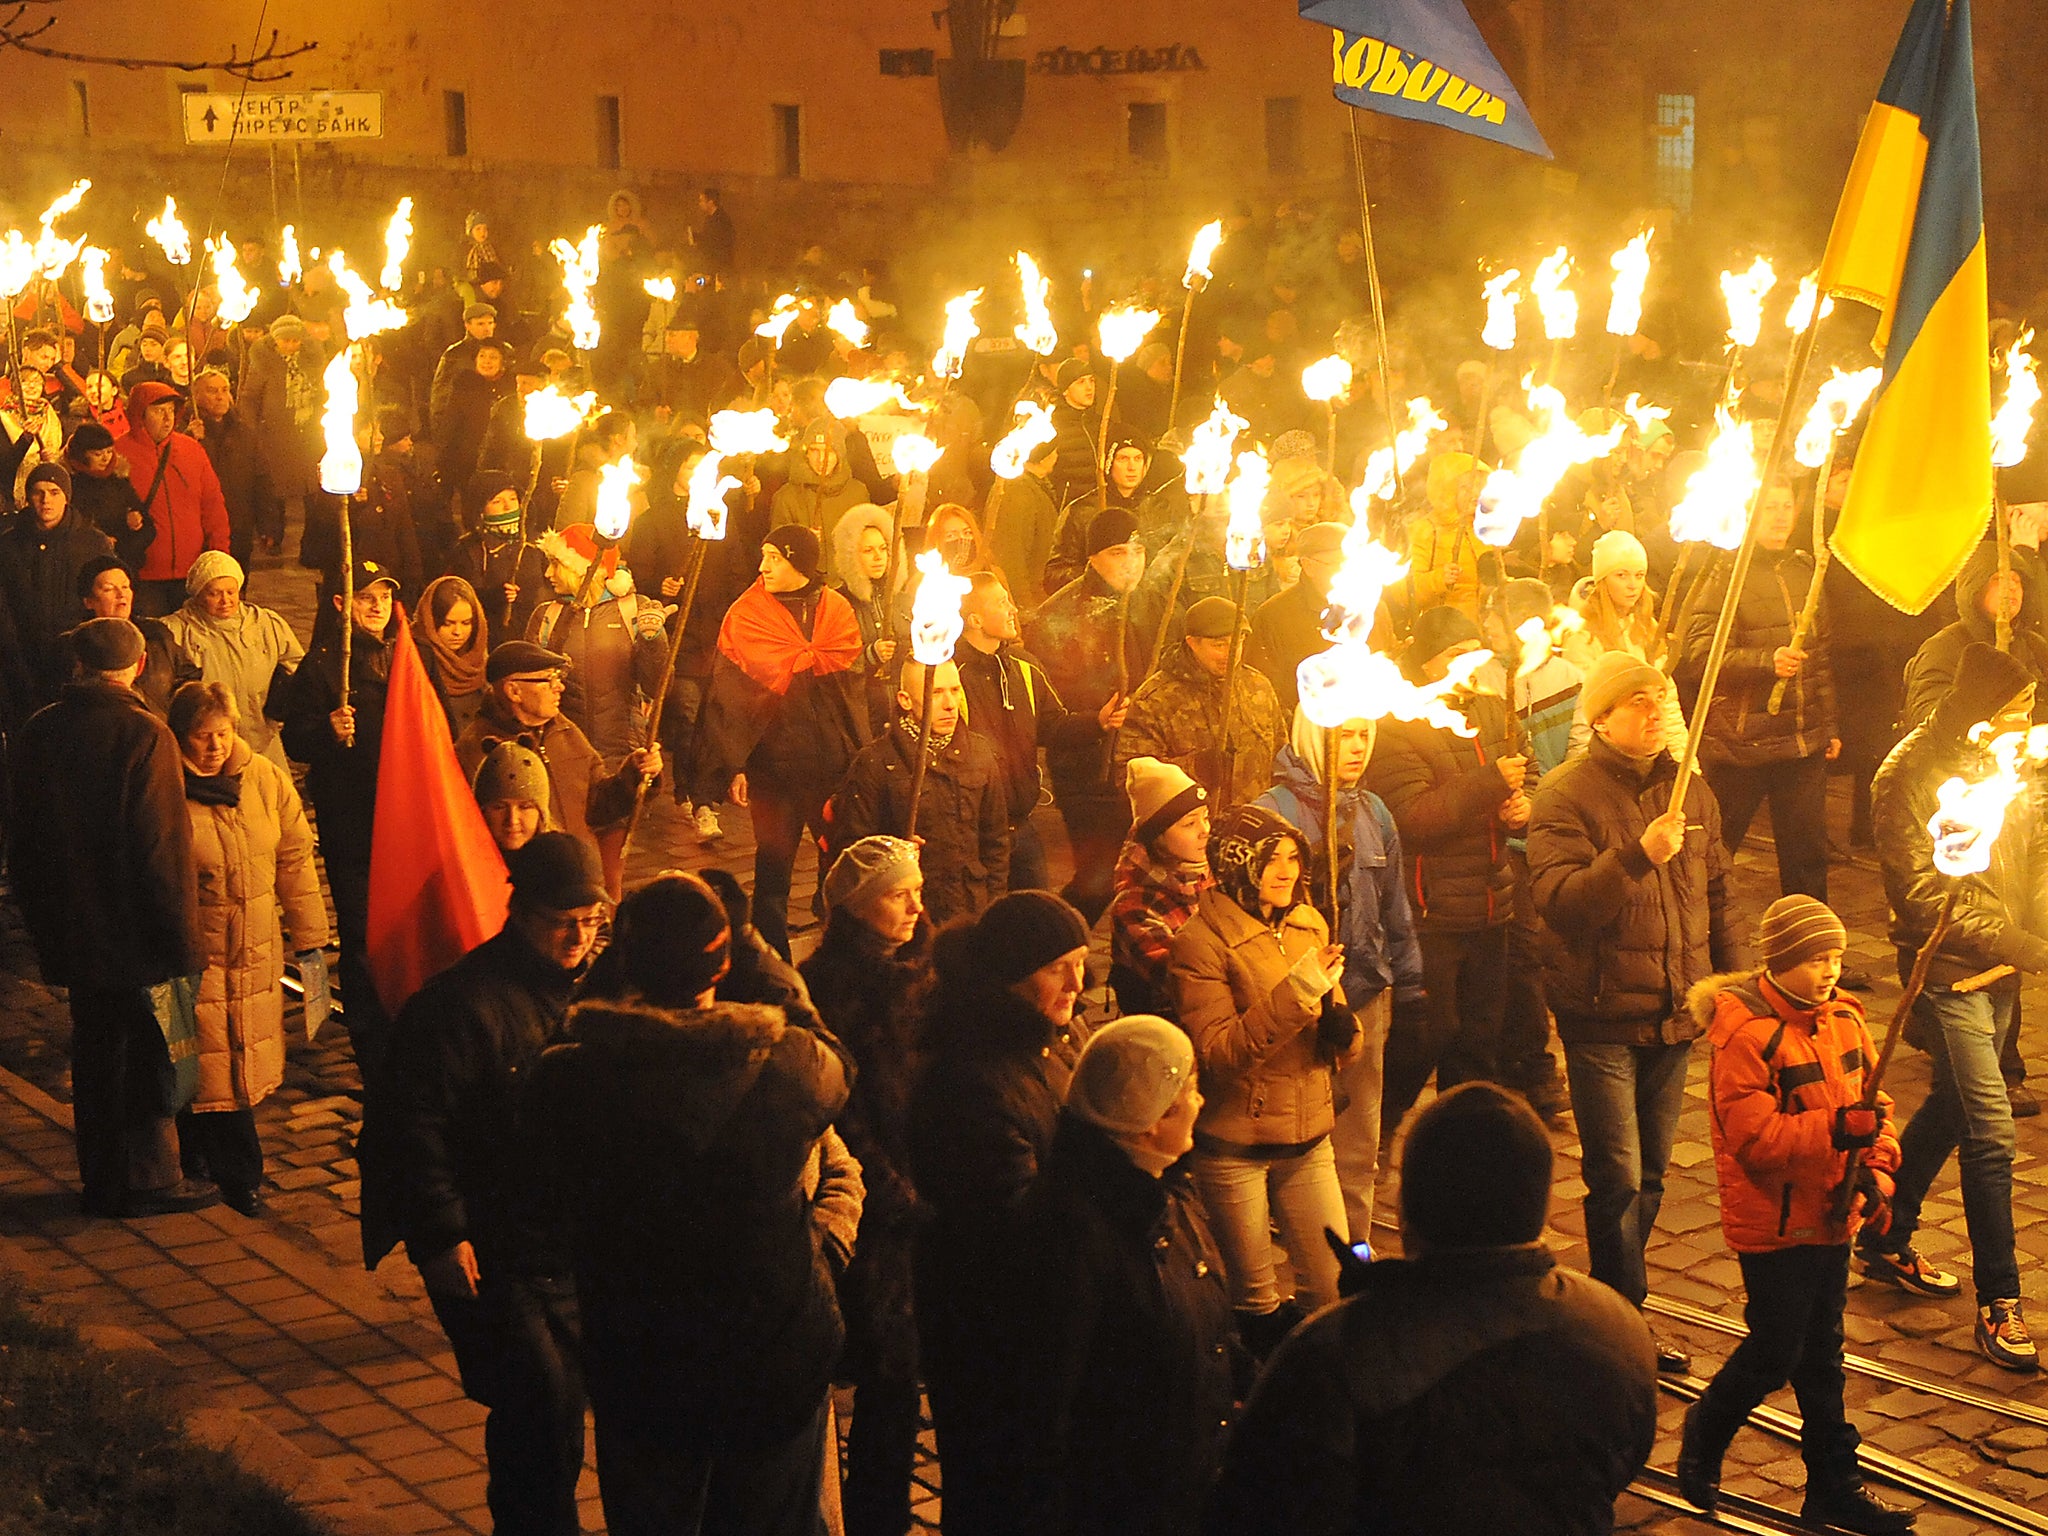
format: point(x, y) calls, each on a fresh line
point(1796, 929)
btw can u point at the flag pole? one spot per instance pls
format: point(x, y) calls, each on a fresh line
point(1795, 380)
point(1379, 303)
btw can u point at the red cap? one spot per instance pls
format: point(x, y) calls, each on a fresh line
point(150, 392)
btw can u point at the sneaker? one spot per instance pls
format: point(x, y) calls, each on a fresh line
point(2024, 1105)
point(708, 829)
point(181, 1196)
point(1699, 1468)
point(2002, 1335)
point(1909, 1272)
point(1855, 1509)
point(1672, 1359)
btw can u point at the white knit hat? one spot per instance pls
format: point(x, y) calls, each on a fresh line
point(1131, 1072)
point(1160, 795)
point(1618, 549)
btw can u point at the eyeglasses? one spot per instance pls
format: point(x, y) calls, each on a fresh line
point(559, 678)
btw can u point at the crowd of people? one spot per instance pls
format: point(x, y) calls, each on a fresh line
point(652, 1168)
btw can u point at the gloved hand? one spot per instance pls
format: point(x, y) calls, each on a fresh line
point(1874, 1197)
point(1855, 1127)
point(1337, 1028)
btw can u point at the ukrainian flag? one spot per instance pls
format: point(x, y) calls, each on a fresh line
point(1909, 240)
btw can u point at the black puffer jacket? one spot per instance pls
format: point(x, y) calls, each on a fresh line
point(1630, 937)
point(963, 815)
point(1463, 1394)
point(39, 589)
point(679, 1139)
point(1446, 794)
point(1126, 1332)
point(1741, 730)
point(1933, 667)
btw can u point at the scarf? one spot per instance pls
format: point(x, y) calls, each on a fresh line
point(222, 789)
point(760, 635)
point(459, 672)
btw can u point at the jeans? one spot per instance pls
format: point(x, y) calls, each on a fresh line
point(1794, 1312)
point(1356, 1140)
point(658, 1481)
point(1246, 1196)
point(1460, 1039)
point(119, 1072)
point(781, 817)
point(515, 1343)
point(1798, 791)
point(1627, 1100)
point(1966, 1107)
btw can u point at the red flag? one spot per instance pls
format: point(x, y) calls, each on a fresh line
point(437, 882)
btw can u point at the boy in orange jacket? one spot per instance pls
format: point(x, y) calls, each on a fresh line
point(1790, 1125)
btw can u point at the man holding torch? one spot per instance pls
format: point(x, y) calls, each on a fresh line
point(1993, 922)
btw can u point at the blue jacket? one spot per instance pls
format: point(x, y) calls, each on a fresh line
point(1378, 932)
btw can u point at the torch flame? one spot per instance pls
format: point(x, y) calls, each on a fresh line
point(1326, 378)
point(579, 276)
point(288, 269)
point(1020, 445)
point(1124, 331)
point(1800, 315)
point(913, 454)
point(1511, 497)
point(341, 466)
point(1385, 465)
point(237, 298)
point(1745, 293)
point(1201, 253)
point(615, 484)
point(1558, 305)
point(848, 397)
point(746, 432)
point(68, 203)
point(708, 484)
point(1644, 415)
point(550, 414)
point(1631, 271)
point(1969, 816)
point(54, 253)
point(2015, 418)
point(397, 246)
point(1500, 311)
point(99, 299)
point(17, 263)
point(1036, 331)
point(1244, 541)
point(662, 288)
point(960, 332)
point(1840, 400)
point(1354, 682)
point(168, 231)
point(365, 314)
point(1206, 464)
point(1715, 506)
point(1541, 635)
point(935, 622)
point(844, 323)
point(1357, 586)
point(780, 318)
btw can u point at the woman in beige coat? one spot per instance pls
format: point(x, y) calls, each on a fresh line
point(254, 851)
point(1253, 977)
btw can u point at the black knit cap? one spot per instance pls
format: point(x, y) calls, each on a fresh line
point(1987, 679)
point(1476, 1173)
point(1024, 931)
point(553, 872)
point(674, 938)
point(1436, 631)
point(799, 546)
point(1109, 528)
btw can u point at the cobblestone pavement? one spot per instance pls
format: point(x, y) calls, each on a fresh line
point(339, 1383)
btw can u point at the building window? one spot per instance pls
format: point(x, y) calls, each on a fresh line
point(1283, 136)
point(608, 132)
point(81, 110)
point(455, 121)
point(1674, 138)
point(1146, 133)
point(789, 142)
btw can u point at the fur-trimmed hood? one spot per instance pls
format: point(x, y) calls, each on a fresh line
point(1703, 997)
point(706, 1060)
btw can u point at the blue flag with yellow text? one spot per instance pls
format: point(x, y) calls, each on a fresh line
point(1909, 240)
point(1424, 59)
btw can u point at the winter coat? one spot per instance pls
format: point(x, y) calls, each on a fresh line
point(99, 848)
point(1378, 933)
point(1069, 556)
point(283, 445)
point(490, 565)
point(242, 655)
point(255, 864)
point(1630, 937)
point(1780, 1071)
point(2001, 916)
point(1077, 433)
point(963, 817)
point(807, 734)
point(1740, 730)
point(39, 590)
point(1207, 575)
point(1021, 545)
point(237, 457)
point(464, 1149)
point(1152, 903)
point(869, 605)
point(678, 1138)
point(818, 502)
point(583, 797)
point(1177, 716)
point(1074, 636)
point(1285, 632)
point(1126, 1346)
point(1582, 648)
point(1465, 1393)
point(1439, 540)
point(1933, 667)
point(341, 781)
point(1265, 1081)
point(459, 432)
point(613, 668)
point(106, 500)
point(1012, 703)
point(1446, 795)
point(187, 507)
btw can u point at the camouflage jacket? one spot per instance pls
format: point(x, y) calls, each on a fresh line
point(1178, 716)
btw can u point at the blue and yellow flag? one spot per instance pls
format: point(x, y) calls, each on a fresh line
point(1909, 240)
point(1424, 59)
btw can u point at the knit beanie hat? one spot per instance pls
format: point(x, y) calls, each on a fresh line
point(1614, 677)
point(1986, 681)
point(799, 546)
point(1130, 1074)
point(1436, 631)
point(51, 471)
point(555, 872)
point(1160, 795)
point(1796, 929)
point(1023, 931)
point(287, 328)
point(1242, 845)
point(674, 938)
point(511, 771)
point(1212, 618)
point(872, 867)
point(1109, 528)
point(89, 437)
point(1618, 550)
point(1476, 1173)
point(1295, 444)
point(106, 645)
point(477, 495)
point(209, 566)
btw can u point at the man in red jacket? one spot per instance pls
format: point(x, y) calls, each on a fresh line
point(180, 493)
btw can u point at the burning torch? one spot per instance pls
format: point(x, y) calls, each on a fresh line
point(935, 628)
point(2009, 432)
point(1205, 470)
point(1244, 546)
point(1327, 381)
point(1744, 293)
point(1714, 511)
point(1018, 447)
point(1123, 331)
point(1557, 304)
point(1499, 334)
point(1625, 309)
point(1194, 279)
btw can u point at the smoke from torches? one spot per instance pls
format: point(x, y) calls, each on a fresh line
point(1631, 271)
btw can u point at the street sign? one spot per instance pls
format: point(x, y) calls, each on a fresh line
point(282, 116)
